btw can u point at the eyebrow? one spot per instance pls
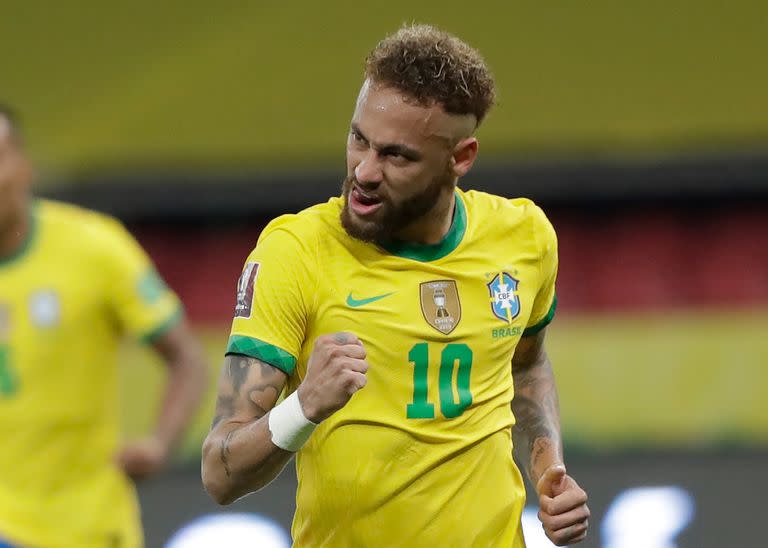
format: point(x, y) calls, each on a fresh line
point(402, 150)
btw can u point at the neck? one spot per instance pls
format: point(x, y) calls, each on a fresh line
point(14, 234)
point(432, 228)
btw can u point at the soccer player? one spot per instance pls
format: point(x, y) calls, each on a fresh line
point(72, 283)
point(406, 321)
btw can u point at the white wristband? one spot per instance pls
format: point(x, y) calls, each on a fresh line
point(290, 428)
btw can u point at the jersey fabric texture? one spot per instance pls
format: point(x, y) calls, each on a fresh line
point(79, 283)
point(422, 456)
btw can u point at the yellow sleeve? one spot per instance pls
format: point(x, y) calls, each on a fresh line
point(546, 299)
point(275, 295)
point(141, 302)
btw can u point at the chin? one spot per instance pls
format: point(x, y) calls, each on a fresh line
point(367, 231)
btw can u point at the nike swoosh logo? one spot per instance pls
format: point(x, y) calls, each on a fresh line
point(354, 303)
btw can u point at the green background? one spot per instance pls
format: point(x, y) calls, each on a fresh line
point(103, 85)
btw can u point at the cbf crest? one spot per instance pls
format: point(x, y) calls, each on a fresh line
point(440, 304)
point(505, 302)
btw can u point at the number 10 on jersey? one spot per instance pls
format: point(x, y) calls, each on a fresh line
point(455, 361)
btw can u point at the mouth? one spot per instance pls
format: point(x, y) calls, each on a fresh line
point(363, 204)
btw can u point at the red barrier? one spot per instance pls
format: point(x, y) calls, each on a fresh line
point(624, 261)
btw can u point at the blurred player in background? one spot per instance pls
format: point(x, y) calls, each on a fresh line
point(72, 283)
point(401, 318)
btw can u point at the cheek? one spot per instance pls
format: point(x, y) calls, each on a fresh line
point(5, 200)
point(6, 193)
point(11, 172)
point(353, 160)
point(405, 182)
point(13, 184)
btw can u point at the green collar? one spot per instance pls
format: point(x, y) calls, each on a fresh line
point(431, 252)
point(27, 243)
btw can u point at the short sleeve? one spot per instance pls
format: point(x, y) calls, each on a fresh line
point(141, 301)
point(275, 295)
point(545, 303)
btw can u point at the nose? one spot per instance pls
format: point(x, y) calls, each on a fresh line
point(369, 171)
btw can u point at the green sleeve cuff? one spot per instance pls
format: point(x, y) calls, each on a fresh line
point(545, 321)
point(268, 353)
point(172, 321)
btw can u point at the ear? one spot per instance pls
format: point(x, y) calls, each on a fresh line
point(463, 156)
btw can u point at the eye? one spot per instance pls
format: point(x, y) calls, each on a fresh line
point(398, 158)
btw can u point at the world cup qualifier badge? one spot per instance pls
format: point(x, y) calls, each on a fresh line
point(245, 286)
point(505, 303)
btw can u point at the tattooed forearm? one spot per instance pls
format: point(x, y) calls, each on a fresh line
point(248, 388)
point(263, 394)
point(225, 407)
point(537, 415)
point(238, 368)
point(224, 452)
point(237, 454)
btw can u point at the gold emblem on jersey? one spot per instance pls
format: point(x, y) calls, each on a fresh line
point(440, 304)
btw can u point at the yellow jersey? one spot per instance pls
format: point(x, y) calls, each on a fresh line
point(422, 456)
point(67, 296)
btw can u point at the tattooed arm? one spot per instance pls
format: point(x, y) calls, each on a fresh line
point(238, 454)
point(563, 507)
point(537, 428)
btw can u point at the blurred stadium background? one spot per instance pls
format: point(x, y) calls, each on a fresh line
point(641, 128)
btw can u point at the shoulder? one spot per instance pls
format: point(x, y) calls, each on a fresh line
point(511, 221)
point(305, 226)
point(95, 238)
point(74, 221)
point(506, 212)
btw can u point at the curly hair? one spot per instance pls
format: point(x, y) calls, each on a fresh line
point(432, 66)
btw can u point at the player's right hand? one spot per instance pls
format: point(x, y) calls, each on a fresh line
point(335, 371)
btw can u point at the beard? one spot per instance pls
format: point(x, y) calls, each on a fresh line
point(391, 217)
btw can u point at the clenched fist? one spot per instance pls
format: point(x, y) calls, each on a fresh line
point(335, 371)
point(563, 512)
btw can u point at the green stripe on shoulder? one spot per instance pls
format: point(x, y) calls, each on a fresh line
point(268, 353)
point(152, 335)
point(545, 321)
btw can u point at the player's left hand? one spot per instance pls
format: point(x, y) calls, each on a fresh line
point(143, 458)
point(563, 507)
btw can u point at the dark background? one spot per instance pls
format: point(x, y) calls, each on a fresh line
point(727, 489)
